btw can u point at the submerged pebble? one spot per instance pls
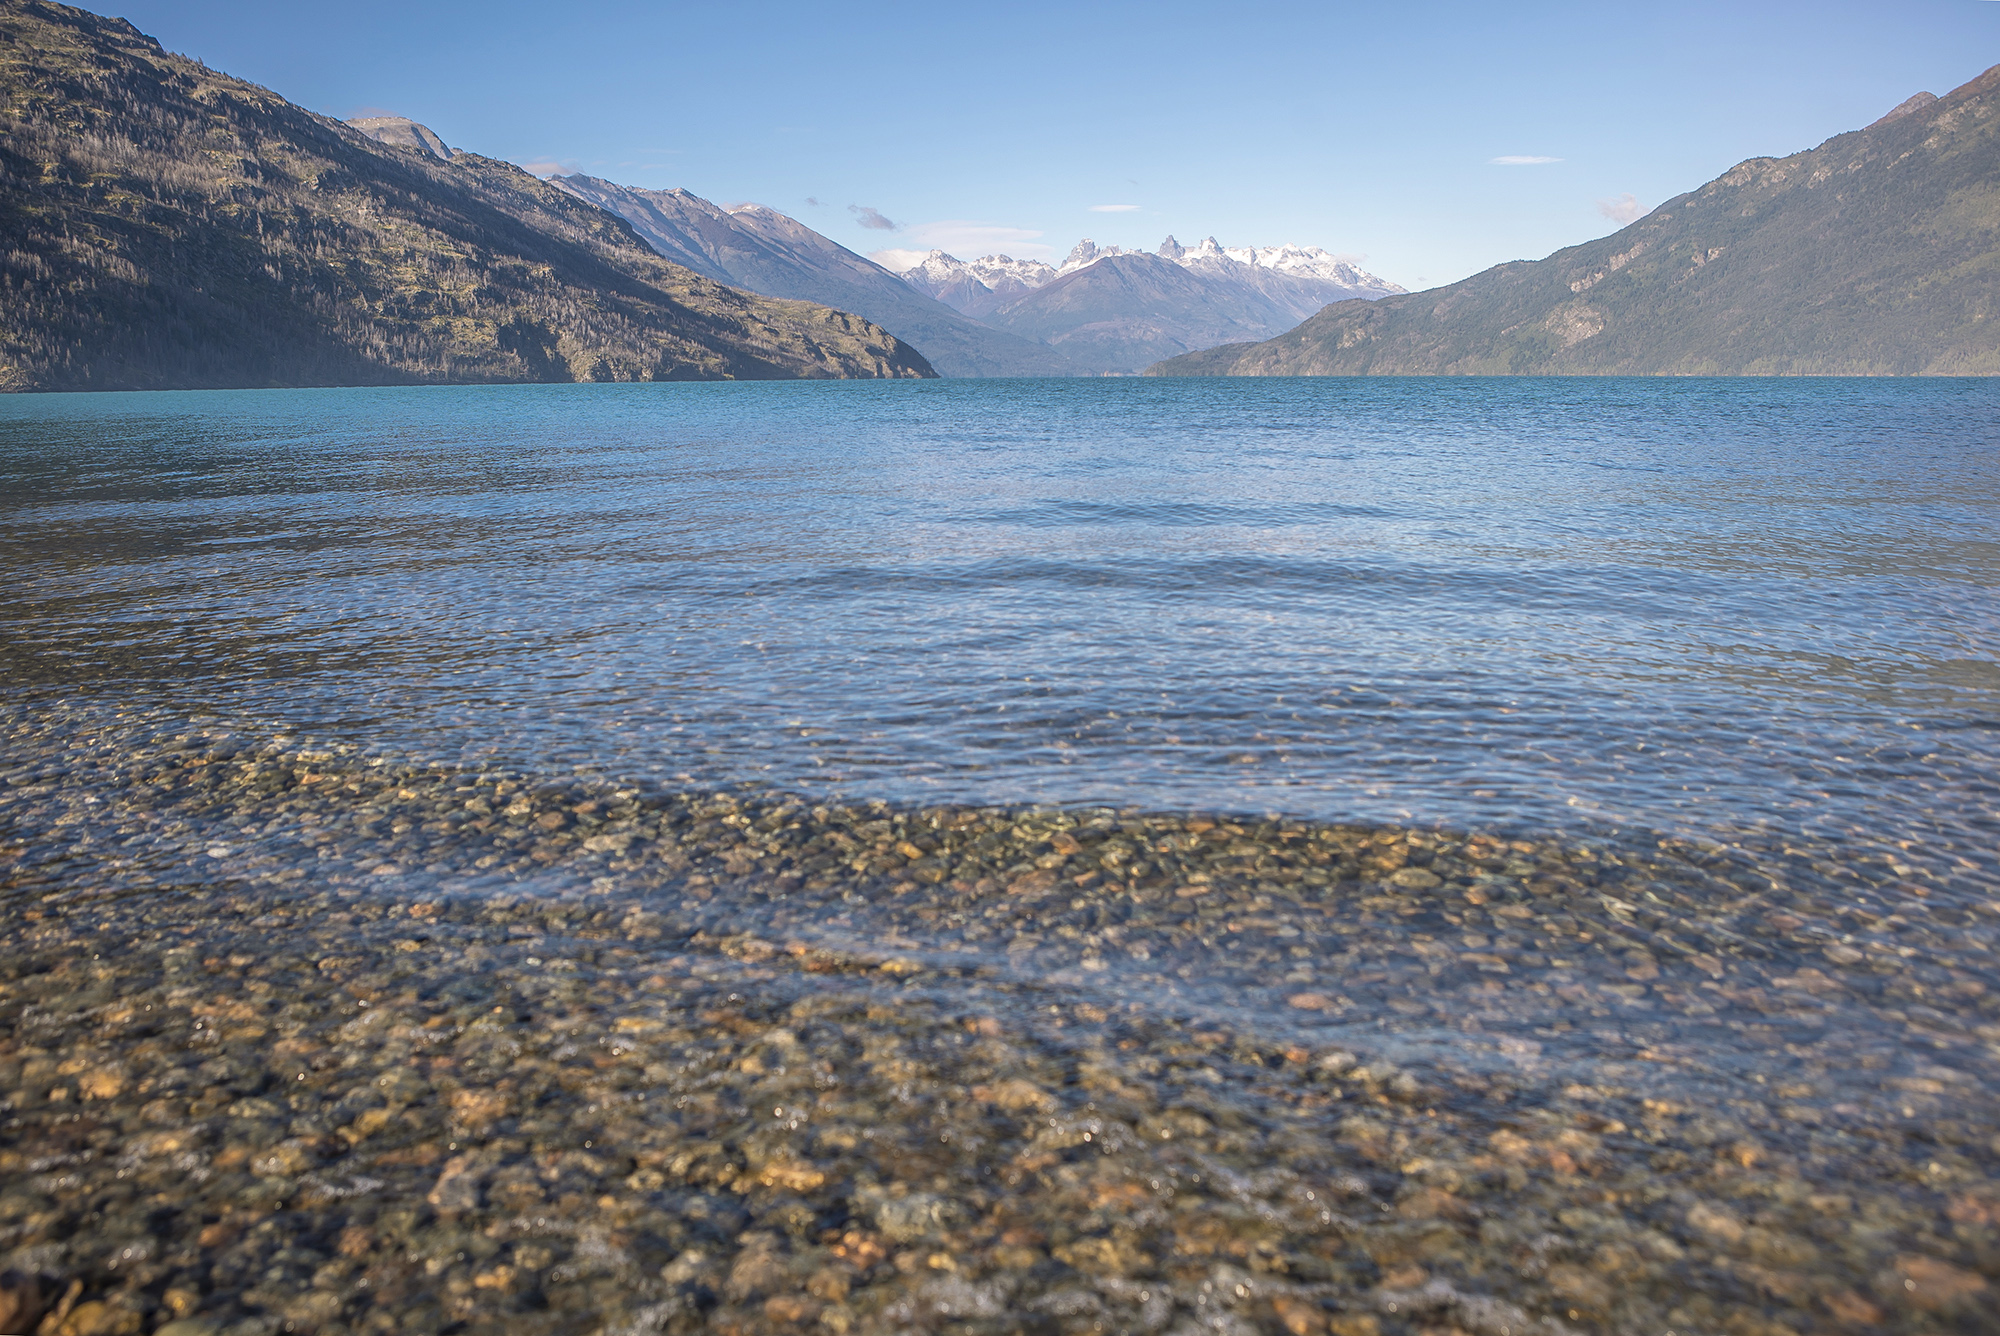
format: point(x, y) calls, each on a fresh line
point(301, 1040)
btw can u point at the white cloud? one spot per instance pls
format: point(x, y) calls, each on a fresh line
point(969, 239)
point(1114, 208)
point(547, 167)
point(1520, 160)
point(1620, 208)
point(872, 218)
point(896, 259)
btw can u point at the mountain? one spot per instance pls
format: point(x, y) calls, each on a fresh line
point(1877, 253)
point(403, 133)
point(976, 287)
point(170, 227)
point(1117, 311)
point(1296, 279)
point(765, 251)
point(1125, 311)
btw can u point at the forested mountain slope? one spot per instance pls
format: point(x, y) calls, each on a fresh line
point(167, 226)
point(765, 251)
point(1877, 253)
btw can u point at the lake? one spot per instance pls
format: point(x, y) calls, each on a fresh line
point(1330, 856)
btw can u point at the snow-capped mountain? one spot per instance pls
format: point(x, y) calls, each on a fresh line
point(1297, 261)
point(1117, 310)
point(976, 287)
point(1302, 261)
point(755, 247)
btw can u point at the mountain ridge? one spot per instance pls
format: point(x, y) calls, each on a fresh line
point(174, 227)
point(976, 287)
point(1875, 253)
point(765, 251)
point(1113, 310)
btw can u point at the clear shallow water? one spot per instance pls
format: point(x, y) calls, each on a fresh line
point(1510, 857)
point(1697, 607)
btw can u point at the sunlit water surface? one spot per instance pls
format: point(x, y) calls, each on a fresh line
point(1697, 606)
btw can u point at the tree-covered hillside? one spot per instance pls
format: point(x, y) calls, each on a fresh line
point(1877, 253)
point(166, 226)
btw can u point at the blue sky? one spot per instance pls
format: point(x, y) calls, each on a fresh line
point(1378, 131)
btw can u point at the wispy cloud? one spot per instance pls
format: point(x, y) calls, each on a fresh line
point(969, 239)
point(547, 167)
point(815, 203)
point(873, 218)
point(1114, 208)
point(1520, 160)
point(1620, 208)
point(897, 259)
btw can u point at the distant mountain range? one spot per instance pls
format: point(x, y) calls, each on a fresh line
point(977, 287)
point(1877, 253)
point(1113, 310)
point(1103, 311)
point(167, 226)
point(767, 252)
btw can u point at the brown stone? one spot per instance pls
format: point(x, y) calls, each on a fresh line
point(479, 1108)
point(1851, 1307)
point(287, 1159)
point(97, 1319)
point(457, 1188)
point(1299, 1317)
point(1580, 1287)
point(790, 1308)
point(792, 1175)
point(1015, 1095)
point(1934, 1286)
point(105, 1082)
point(20, 1302)
point(1717, 1224)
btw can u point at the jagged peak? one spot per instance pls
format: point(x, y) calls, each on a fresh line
point(1083, 253)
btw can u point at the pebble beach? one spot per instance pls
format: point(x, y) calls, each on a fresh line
point(447, 1051)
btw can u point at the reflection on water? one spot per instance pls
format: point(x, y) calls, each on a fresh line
point(1336, 858)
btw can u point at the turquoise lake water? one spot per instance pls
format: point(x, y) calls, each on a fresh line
point(1693, 607)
